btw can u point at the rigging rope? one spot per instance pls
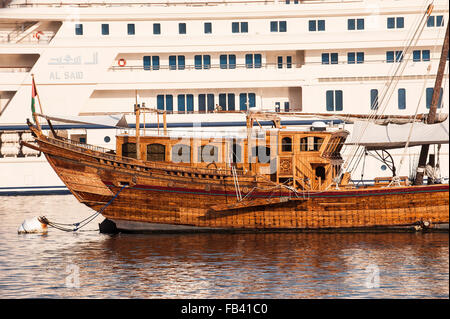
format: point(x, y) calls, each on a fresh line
point(387, 92)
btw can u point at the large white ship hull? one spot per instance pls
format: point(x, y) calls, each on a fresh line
point(189, 57)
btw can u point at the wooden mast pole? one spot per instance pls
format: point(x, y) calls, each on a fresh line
point(433, 107)
point(137, 111)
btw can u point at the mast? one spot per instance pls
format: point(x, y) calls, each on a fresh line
point(137, 111)
point(433, 107)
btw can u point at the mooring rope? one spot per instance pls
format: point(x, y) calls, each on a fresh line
point(80, 224)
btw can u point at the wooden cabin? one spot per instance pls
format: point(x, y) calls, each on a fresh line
point(306, 159)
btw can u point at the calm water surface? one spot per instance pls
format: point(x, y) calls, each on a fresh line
point(288, 265)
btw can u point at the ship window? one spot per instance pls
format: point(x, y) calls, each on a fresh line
point(105, 29)
point(156, 28)
point(130, 29)
point(310, 143)
point(182, 28)
point(435, 21)
point(156, 152)
point(253, 61)
point(286, 144)
point(227, 101)
point(181, 153)
point(164, 102)
point(390, 55)
point(247, 100)
point(316, 25)
point(208, 154)
point(429, 93)
point(401, 99)
point(129, 150)
point(395, 22)
point(239, 27)
point(262, 153)
point(208, 27)
point(278, 26)
point(374, 99)
point(289, 62)
point(78, 29)
point(228, 61)
point(202, 62)
point(328, 58)
point(355, 24)
point(355, 57)
point(176, 62)
point(151, 62)
point(334, 100)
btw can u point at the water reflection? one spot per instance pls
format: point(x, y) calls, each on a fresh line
point(258, 265)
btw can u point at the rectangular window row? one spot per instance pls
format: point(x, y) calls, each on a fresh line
point(401, 98)
point(205, 102)
point(352, 58)
point(227, 61)
point(275, 26)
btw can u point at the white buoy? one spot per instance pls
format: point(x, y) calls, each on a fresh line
point(32, 225)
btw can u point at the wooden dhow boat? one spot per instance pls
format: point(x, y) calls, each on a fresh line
point(272, 179)
point(262, 179)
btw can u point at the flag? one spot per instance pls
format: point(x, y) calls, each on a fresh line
point(33, 96)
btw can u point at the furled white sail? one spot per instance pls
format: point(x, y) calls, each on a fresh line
point(101, 120)
point(374, 136)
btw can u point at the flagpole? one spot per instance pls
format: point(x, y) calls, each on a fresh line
point(40, 108)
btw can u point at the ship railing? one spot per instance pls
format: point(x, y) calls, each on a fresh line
point(172, 3)
point(105, 154)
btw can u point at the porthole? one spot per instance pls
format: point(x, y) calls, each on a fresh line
point(383, 167)
point(107, 139)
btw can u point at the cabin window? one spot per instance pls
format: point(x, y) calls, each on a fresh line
point(208, 154)
point(236, 153)
point(129, 150)
point(156, 152)
point(286, 144)
point(310, 143)
point(262, 153)
point(181, 153)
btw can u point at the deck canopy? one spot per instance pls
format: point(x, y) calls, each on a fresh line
point(374, 136)
point(118, 120)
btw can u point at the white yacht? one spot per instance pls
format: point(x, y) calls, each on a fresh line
point(191, 58)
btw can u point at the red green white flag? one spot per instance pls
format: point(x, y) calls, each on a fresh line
point(33, 96)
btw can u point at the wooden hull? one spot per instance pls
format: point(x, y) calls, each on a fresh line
point(208, 201)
